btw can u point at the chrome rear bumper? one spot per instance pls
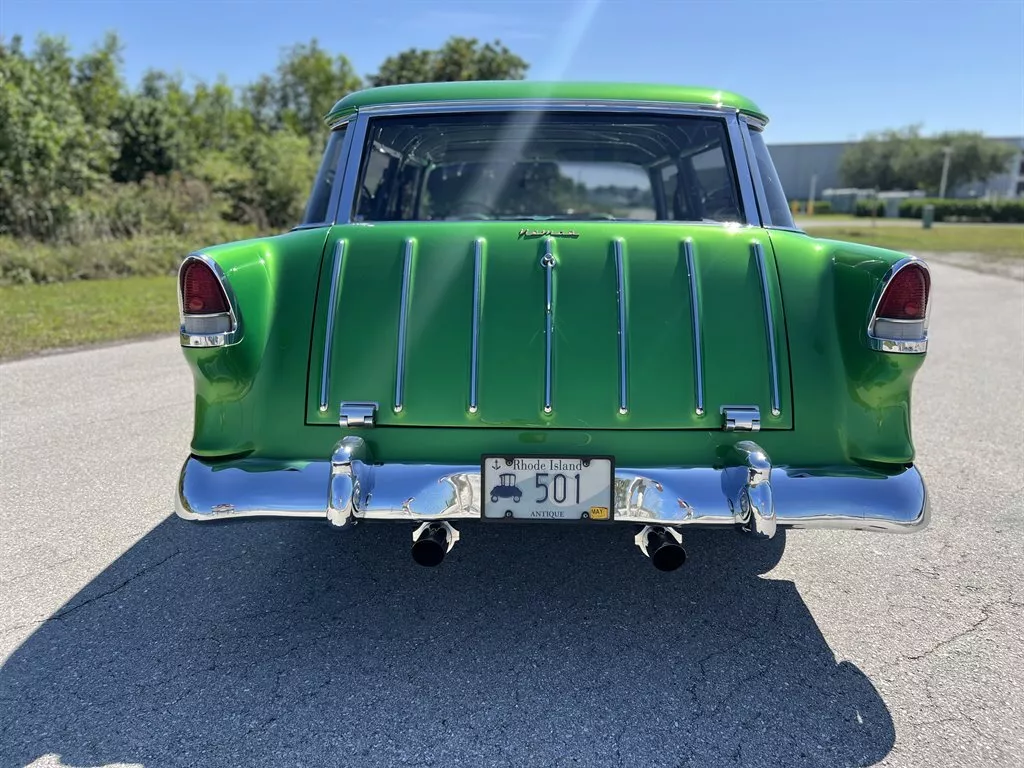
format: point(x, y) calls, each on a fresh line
point(747, 492)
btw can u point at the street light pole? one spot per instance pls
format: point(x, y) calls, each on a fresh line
point(945, 170)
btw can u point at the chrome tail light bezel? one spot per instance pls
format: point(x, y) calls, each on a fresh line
point(192, 334)
point(913, 336)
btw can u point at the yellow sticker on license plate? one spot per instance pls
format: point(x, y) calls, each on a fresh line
point(599, 513)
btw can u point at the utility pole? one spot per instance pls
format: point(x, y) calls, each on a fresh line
point(945, 170)
point(810, 200)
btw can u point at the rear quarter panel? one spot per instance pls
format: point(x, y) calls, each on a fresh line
point(253, 391)
point(841, 386)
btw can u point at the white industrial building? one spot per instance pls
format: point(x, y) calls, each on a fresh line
point(799, 164)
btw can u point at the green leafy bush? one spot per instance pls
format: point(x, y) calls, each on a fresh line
point(27, 261)
point(869, 208)
point(1001, 211)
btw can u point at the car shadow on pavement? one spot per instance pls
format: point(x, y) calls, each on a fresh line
point(286, 643)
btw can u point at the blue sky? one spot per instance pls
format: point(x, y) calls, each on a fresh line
point(826, 70)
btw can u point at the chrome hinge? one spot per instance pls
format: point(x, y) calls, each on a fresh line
point(741, 418)
point(358, 414)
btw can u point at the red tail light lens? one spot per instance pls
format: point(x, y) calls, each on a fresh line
point(906, 296)
point(201, 293)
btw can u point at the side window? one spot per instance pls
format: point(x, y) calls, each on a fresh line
point(778, 205)
point(320, 196)
point(378, 178)
point(714, 177)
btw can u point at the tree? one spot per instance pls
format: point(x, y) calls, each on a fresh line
point(460, 58)
point(973, 158)
point(49, 154)
point(98, 85)
point(152, 129)
point(904, 159)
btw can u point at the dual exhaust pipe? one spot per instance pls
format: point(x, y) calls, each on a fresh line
point(431, 542)
point(663, 545)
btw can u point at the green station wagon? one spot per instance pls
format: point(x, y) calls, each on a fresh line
point(562, 302)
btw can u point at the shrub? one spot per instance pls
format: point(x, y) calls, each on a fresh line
point(869, 208)
point(26, 261)
point(1001, 211)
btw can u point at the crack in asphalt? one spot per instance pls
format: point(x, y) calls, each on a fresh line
point(78, 606)
point(974, 627)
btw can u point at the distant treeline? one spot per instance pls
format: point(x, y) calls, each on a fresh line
point(84, 157)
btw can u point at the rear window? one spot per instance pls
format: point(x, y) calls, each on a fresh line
point(537, 166)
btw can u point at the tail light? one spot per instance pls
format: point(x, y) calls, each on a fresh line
point(899, 322)
point(207, 319)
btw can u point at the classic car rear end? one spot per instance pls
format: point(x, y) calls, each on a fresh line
point(553, 302)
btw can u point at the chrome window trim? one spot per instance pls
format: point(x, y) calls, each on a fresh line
point(339, 171)
point(225, 339)
point(349, 163)
point(780, 228)
point(332, 308)
point(745, 174)
point(350, 160)
point(755, 175)
point(541, 104)
point(900, 346)
point(311, 225)
point(754, 122)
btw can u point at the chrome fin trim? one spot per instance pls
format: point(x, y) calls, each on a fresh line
point(474, 344)
point(547, 261)
point(332, 309)
point(769, 322)
point(698, 341)
point(620, 292)
point(403, 319)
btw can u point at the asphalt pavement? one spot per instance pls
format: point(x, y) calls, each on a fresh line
point(130, 637)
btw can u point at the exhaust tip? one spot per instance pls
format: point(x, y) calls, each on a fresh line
point(663, 546)
point(668, 557)
point(432, 544)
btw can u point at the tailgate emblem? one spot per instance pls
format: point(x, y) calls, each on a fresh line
point(528, 233)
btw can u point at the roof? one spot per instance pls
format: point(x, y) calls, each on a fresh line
point(532, 89)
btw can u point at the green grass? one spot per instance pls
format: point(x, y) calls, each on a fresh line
point(39, 317)
point(992, 240)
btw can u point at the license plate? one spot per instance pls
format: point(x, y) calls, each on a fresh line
point(547, 488)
